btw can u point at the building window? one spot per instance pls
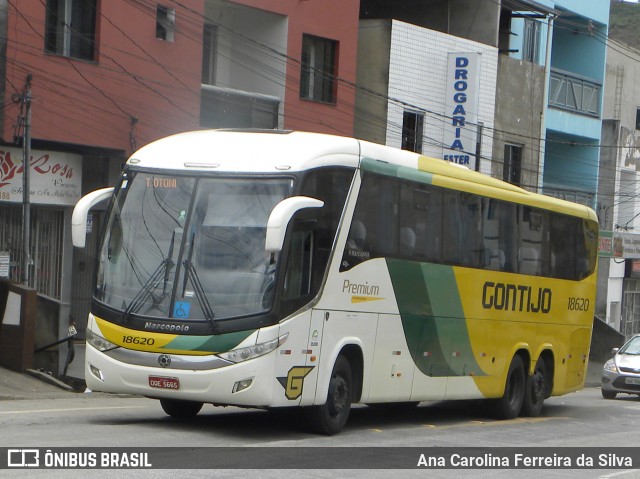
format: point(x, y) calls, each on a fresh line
point(165, 23)
point(412, 127)
point(70, 28)
point(637, 118)
point(512, 168)
point(627, 195)
point(209, 48)
point(318, 75)
point(531, 41)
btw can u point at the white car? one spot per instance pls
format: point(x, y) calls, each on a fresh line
point(621, 373)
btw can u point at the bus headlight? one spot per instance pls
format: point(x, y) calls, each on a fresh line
point(99, 342)
point(250, 352)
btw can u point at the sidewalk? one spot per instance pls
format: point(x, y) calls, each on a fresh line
point(14, 385)
point(38, 385)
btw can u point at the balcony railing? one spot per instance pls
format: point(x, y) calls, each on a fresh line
point(575, 94)
point(582, 197)
point(228, 108)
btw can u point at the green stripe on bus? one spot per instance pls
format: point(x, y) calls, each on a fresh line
point(213, 344)
point(383, 168)
point(432, 318)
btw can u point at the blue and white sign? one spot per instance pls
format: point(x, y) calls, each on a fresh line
point(461, 108)
point(181, 310)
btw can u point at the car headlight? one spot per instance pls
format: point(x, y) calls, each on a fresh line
point(611, 366)
point(243, 354)
point(98, 342)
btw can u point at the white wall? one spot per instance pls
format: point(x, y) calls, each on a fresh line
point(250, 65)
point(418, 76)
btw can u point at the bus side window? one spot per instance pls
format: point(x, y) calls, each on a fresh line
point(530, 235)
point(494, 255)
point(563, 241)
point(297, 282)
point(330, 185)
point(451, 225)
point(373, 229)
point(356, 249)
point(407, 241)
point(507, 236)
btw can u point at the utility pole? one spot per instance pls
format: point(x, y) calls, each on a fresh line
point(25, 98)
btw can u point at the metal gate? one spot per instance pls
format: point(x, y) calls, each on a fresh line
point(631, 308)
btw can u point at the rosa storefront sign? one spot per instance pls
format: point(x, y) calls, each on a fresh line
point(55, 177)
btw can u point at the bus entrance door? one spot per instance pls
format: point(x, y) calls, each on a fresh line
point(393, 367)
point(332, 333)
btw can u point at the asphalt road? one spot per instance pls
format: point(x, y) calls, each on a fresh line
point(74, 420)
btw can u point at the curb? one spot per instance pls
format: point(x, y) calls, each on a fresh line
point(49, 379)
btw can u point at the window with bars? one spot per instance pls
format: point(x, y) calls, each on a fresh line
point(47, 235)
point(412, 130)
point(165, 23)
point(512, 167)
point(70, 28)
point(209, 48)
point(531, 40)
point(319, 67)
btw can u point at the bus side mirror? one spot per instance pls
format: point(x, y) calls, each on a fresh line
point(280, 217)
point(81, 211)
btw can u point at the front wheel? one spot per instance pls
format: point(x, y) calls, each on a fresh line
point(331, 417)
point(510, 404)
point(180, 409)
point(536, 390)
point(609, 394)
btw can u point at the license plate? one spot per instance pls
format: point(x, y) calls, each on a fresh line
point(632, 381)
point(164, 382)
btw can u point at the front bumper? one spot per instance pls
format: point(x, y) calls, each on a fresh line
point(216, 386)
point(620, 382)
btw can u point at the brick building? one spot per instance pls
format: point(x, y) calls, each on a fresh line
point(105, 78)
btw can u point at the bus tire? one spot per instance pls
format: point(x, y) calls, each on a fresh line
point(330, 418)
point(510, 404)
point(535, 390)
point(180, 409)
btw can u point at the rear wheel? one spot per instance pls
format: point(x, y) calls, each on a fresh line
point(536, 390)
point(331, 417)
point(180, 409)
point(510, 404)
point(609, 394)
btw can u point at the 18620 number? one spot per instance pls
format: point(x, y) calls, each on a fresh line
point(138, 340)
point(578, 304)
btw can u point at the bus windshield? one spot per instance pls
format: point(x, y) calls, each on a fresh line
point(189, 248)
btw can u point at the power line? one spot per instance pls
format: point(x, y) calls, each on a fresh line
point(436, 115)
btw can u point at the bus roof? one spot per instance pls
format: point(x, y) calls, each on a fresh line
point(256, 151)
point(270, 151)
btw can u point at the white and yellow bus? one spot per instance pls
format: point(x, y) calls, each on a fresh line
point(279, 269)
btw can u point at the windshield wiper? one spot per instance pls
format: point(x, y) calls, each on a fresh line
point(201, 295)
point(161, 273)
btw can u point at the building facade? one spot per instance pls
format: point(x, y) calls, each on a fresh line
point(618, 191)
point(88, 82)
point(427, 78)
point(542, 71)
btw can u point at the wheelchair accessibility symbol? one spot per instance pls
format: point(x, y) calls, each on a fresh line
point(181, 309)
